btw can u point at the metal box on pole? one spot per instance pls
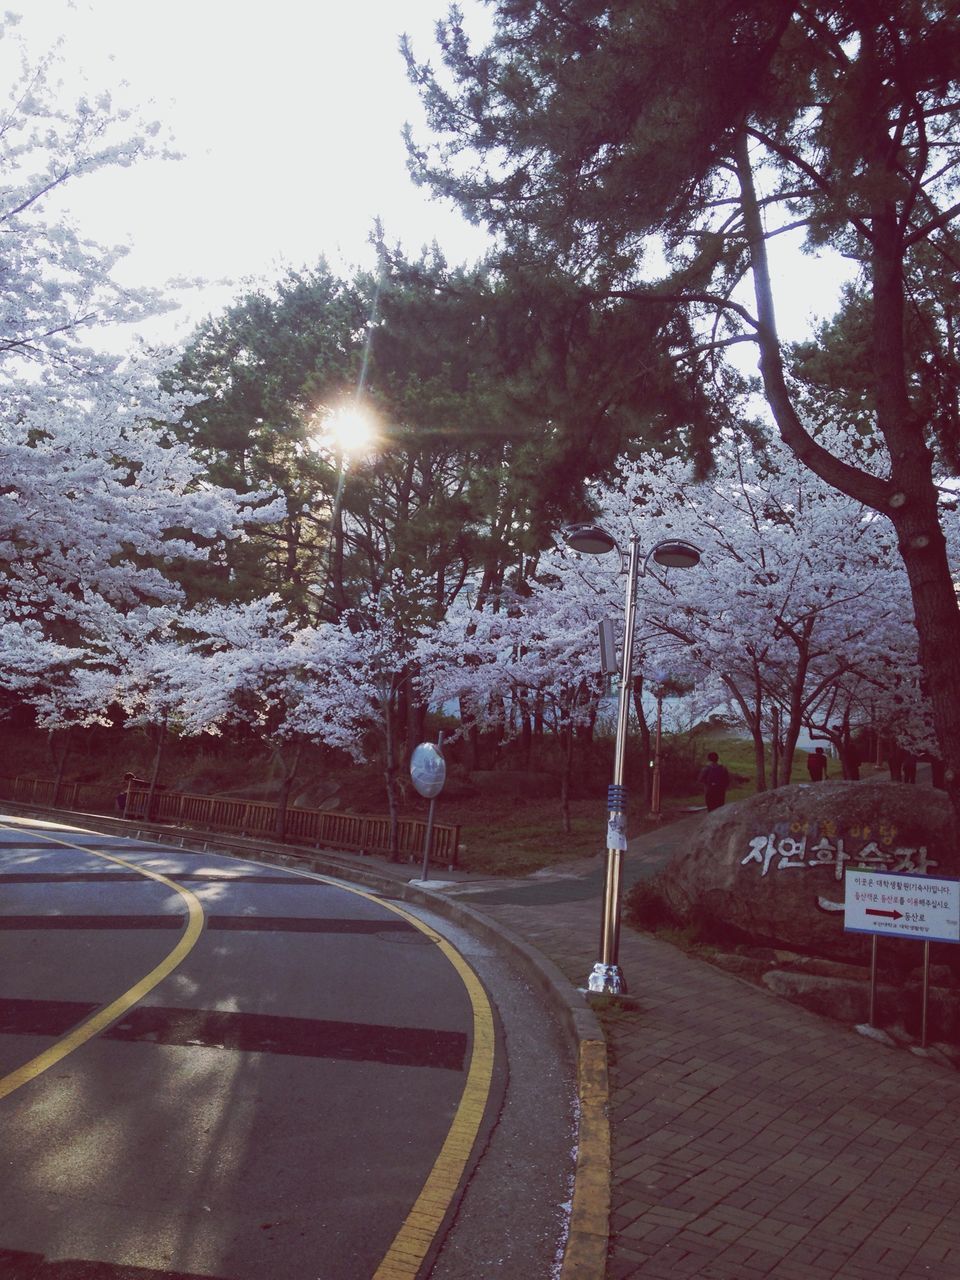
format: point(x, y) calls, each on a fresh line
point(609, 664)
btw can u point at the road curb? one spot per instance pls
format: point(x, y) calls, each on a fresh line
point(585, 1254)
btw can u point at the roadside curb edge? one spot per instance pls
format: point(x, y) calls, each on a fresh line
point(585, 1254)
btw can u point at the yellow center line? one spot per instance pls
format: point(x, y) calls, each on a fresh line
point(410, 1246)
point(102, 1019)
point(419, 1229)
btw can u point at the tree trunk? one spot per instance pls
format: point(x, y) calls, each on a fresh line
point(753, 719)
point(392, 768)
point(566, 776)
point(416, 723)
point(644, 742)
point(337, 592)
point(526, 732)
point(914, 512)
point(908, 498)
point(58, 744)
point(161, 738)
point(797, 706)
point(288, 774)
point(775, 746)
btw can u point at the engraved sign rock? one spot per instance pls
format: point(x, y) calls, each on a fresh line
point(772, 867)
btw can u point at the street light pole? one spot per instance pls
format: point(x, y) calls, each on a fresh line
point(607, 978)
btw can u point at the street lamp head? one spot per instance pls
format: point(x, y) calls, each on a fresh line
point(593, 540)
point(675, 554)
point(590, 539)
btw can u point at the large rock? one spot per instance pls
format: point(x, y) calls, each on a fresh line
point(771, 867)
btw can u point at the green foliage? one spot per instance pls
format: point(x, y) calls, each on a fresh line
point(648, 154)
point(835, 373)
point(456, 486)
point(593, 140)
point(578, 135)
point(260, 372)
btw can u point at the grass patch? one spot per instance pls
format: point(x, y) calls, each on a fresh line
point(525, 836)
point(736, 752)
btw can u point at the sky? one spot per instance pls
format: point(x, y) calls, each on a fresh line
point(288, 116)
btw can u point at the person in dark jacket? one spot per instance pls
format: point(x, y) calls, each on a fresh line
point(715, 779)
point(817, 765)
point(895, 762)
point(129, 780)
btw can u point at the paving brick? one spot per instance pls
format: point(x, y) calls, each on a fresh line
point(622, 1268)
point(649, 1232)
point(752, 1140)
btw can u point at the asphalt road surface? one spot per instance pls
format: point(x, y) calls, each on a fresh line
point(212, 1067)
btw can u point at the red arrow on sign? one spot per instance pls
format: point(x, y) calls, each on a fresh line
point(891, 915)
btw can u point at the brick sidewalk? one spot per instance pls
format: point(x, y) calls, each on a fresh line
point(751, 1138)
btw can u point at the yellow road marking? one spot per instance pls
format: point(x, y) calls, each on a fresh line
point(410, 1246)
point(100, 1020)
point(418, 1231)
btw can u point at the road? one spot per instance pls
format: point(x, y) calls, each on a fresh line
point(212, 1067)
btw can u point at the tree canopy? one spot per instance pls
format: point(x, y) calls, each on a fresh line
point(191, 545)
point(652, 151)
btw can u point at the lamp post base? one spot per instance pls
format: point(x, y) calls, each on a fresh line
point(607, 980)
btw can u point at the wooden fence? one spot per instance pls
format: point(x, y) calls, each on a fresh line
point(46, 791)
point(318, 827)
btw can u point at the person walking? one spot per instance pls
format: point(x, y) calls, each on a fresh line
point(895, 756)
point(715, 779)
point(817, 765)
point(129, 780)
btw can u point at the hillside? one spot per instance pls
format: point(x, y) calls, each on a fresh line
point(510, 816)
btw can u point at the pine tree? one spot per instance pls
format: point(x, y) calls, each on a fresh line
point(652, 150)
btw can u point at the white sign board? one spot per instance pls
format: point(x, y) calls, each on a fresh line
point(902, 906)
point(617, 831)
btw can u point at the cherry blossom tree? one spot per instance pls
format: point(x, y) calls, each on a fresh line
point(99, 507)
point(799, 594)
point(523, 656)
point(799, 611)
point(338, 684)
point(358, 672)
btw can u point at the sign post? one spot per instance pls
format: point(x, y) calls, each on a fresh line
point(428, 772)
point(893, 904)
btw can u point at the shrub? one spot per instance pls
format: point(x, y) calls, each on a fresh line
point(644, 907)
